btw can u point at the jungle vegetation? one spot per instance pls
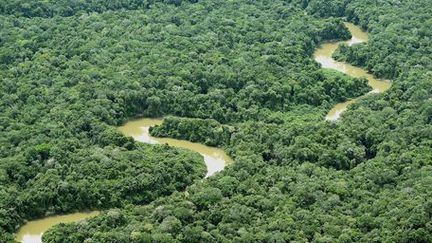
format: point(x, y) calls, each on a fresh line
point(235, 74)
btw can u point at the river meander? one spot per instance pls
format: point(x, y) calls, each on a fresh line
point(32, 231)
point(214, 158)
point(323, 55)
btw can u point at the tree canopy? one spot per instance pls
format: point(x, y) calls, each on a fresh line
point(235, 74)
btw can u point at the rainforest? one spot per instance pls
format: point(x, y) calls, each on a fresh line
point(215, 121)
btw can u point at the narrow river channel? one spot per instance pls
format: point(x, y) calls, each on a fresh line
point(323, 55)
point(214, 158)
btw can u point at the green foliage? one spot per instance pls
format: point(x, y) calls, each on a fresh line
point(209, 132)
point(101, 178)
point(386, 55)
point(240, 75)
point(147, 63)
point(40, 8)
point(335, 8)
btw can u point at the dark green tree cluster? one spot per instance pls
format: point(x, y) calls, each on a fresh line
point(40, 8)
point(386, 55)
point(209, 132)
point(203, 67)
point(241, 76)
point(56, 181)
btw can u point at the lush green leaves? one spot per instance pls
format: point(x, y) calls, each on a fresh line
point(241, 76)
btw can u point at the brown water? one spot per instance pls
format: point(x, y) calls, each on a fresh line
point(214, 158)
point(323, 55)
point(32, 231)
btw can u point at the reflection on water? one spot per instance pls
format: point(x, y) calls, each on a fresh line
point(32, 231)
point(323, 55)
point(214, 158)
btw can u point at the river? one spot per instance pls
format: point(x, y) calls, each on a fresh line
point(32, 231)
point(214, 158)
point(323, 55)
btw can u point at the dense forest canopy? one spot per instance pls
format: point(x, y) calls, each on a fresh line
point(234, 74)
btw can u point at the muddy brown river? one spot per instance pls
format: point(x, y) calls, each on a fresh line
point(323, 55)
point(32, 231)
point(214, 158)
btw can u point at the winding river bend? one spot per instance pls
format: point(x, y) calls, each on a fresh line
point(215, 158)
point(323, 55)
point(33, 230)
